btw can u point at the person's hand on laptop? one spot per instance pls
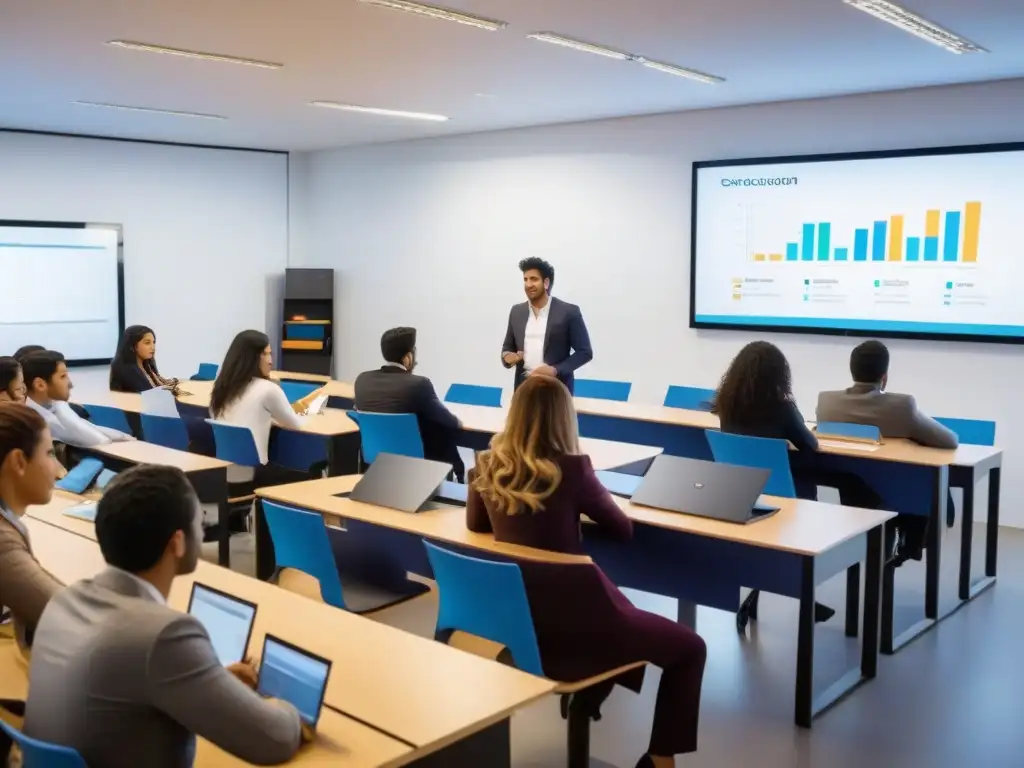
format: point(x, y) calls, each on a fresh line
point(245, 671)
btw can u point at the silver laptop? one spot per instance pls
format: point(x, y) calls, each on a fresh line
point(401, 482)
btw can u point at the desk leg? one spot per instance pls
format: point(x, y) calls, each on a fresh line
point(852, 598)
point(992, 535)
point(805, 647)
point(489, 748)
point(933, 555)
point(687, 613)
point(874, 568)
point(266, 563)
point(966, 540)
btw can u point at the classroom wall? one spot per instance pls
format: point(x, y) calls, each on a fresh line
point(428, 234)
point(205, 230)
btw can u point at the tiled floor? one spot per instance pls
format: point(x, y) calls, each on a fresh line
point(952, 699)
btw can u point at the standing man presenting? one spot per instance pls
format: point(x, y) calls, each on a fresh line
point(545, 336)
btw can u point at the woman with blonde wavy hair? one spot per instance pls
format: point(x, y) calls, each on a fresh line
point(531, 488)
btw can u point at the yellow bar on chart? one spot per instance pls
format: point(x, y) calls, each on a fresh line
point(931, 224)
point(758, 257)
point(775, 257)
point(896, 237)
point(972, 228)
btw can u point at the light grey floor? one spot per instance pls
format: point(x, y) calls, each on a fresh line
point(952, 699)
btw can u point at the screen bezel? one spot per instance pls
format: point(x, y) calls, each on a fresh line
point(229, 596)
point(965, 149)
point(309, 654)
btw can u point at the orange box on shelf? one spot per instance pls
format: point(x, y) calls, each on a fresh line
point(295, 344)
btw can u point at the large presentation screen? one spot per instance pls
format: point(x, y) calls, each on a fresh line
point(927, 243)
point(59, 288)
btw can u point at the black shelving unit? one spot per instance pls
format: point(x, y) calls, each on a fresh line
point(307, 338)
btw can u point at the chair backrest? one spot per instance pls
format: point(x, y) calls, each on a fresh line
point(690, 398)
point(235, 444)
point(300, 542)
point(849, 430)
point(760, 452)
point(487, 599)
point(397, 433)
point(603, 390)
point(166, 431)
point(971, 431)
point(296, 390)
point(206, 372)
point(474, 394)
point(111, 418)
point(159, 402)
point(39, 754)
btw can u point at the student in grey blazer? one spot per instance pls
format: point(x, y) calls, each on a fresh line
point(127, 681)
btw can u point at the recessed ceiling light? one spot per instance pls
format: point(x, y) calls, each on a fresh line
point(910, 22)
point(579, 45)
point(692, 74)
point(378, 111)
point(146, 47)
point(150, 110)
point(437, 12)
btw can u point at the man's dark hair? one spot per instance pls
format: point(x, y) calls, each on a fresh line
point(547, 272)
point(140, 511)
point(869, 362)
point(27, 350)
point(397, 343)
point(40, 365)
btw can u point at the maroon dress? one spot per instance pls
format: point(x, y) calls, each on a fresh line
point(585, 625)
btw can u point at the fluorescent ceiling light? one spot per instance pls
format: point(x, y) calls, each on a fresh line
point(437, 12)
point(378, 111)
point(173, 112)
point(692, 74)
point(146, 47)
point(910, 22)
point(579, 45)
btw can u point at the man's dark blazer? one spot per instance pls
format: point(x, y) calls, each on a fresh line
point(394, 390)
point(566, 341)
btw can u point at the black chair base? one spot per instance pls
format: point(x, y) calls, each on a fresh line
point(747, 611)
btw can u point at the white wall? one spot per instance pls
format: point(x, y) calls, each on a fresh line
point(203, 229)
point(429, 233)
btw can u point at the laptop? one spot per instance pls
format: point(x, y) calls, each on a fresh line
point(705, 488)
point(81, 477)
point(227, 619)
point(84, 511)
point(618, 483)
point(400, 482)
point(291, 674)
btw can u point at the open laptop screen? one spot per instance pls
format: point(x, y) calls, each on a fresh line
point(291, 674)
point(228, 621)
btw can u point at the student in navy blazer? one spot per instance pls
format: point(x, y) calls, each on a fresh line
point(545, 336)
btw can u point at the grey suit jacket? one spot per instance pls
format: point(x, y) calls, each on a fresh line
point(895, 415)
point(128, 682)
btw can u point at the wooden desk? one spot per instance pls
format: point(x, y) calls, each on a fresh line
point(434, 698)
point(692, 559)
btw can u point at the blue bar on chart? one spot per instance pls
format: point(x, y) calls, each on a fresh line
point(842, 253)
point(951, 246)
point(878, 246)
point(913, 248)
point(824, 240)
point(807, 249)
point(931, 249)
point(792, 251)
point(860, 245)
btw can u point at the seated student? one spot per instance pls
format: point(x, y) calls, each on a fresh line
point(531, 488)
point(27, 474)
point(49, 388)
point(755, 397)
point(244, 395)
point(127, 681)
point(12, 382)
point(29, 349)
point(394, 388)
point(133, 368)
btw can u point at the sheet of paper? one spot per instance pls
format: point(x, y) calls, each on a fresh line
point(849, 446)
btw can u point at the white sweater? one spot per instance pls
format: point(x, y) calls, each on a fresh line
point(261, 405)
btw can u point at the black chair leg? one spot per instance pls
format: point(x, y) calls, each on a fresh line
point(747, 611)
point(579, 737)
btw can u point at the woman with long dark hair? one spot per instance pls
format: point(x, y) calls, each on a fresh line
point(134, 366)
point(530, 489)
point(755, 397)
point(12, 381)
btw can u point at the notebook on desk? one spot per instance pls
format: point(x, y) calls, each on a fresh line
point(84, 511)
point(227, 619)
point(400, 482)
point(291, 674)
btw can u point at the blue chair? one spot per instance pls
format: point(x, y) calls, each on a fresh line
point(397, 433)
point(690, 398)
point(474, 394)
point(165, 431)
point(206, 372)
point(296, 390)
point(971, 431)
point(111, 418)
point(603, 390)
point(301, 542)
point(760, 452)
point(488, 599)
point(235, 444)
point(39, 754)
